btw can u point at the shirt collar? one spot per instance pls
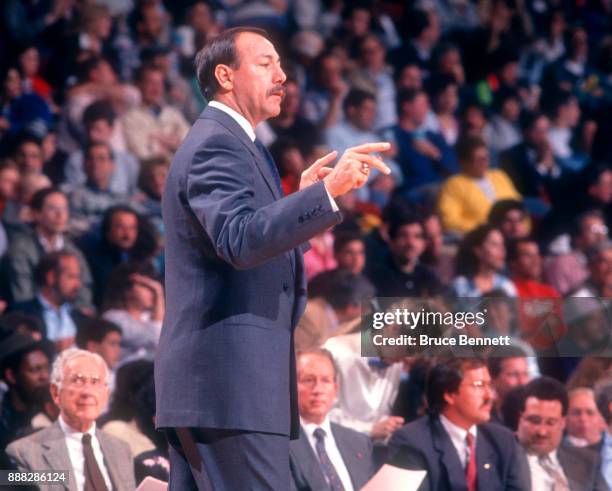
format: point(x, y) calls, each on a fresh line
point(455, 432)
point(236, 116)
point(309, 428)
point(47, 306)
point(72, 433)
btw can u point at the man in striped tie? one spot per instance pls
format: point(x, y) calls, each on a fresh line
point(553, 466)
point(327, 456)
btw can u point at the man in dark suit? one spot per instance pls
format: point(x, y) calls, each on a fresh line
point(326, 455)
point(235, 283)
point(540, 431)
point(454, 443)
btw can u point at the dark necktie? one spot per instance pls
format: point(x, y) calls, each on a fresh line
point(94, 481)
point(470, 468)
point(268, 158)
point(335, 484)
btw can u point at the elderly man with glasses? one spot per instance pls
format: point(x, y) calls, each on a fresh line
point(85, 458)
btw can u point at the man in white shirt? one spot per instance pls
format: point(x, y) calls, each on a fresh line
point(327, 455)
point(454, 443)
point(540, 431)
point(91, 459)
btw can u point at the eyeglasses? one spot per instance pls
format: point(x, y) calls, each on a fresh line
point(479, 385)
point(79, 381)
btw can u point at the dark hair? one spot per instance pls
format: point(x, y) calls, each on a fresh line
point(94, 144)
point(440, 51)
point(356, 97)
point(98, 110)
point(576, 225)
point(50, 262)
point(85, 66)
point(415, 22)
point(407, 95)
point(511, 407)
point(39, 198)
point(501, 208)
point(407, 217)
point(528, 119)
point(512, 247)
point(499, 354)
point(130, 377)
point(445, 378)
point(466, 260)
point(562, 98)
point(466, 147)
point(505, 94)
point(146, 172)
point(438, 84)
point(111, 212)
point(139, 76)
point(344, 237)
point(12, 321)
point(94, 329)
point(119, 282)
point(321, 352)
point(546, 389)
point(221, 50)
point(343, 288)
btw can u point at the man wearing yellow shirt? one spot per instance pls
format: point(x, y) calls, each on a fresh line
point(466, 198)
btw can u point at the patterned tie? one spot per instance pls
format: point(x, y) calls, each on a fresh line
point(94, 481)
point(470, 467)
point(556, 474)
point(328, 468)
point(268, 158)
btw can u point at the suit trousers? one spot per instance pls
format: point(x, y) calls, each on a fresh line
point(204, 459)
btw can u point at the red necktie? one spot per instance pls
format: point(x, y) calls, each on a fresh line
point(470, 468)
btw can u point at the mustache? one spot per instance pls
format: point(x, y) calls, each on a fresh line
point(277, 90)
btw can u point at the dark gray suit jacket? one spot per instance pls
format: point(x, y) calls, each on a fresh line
point(235, 284)
point(356, 451)
point(425, 445)
point(46, 450)
point(582, 468)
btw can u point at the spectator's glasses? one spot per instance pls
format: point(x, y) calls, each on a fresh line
point(479, 385)
point(79, 381)
point(598, 229)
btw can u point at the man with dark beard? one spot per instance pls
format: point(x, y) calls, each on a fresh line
point(24, 367)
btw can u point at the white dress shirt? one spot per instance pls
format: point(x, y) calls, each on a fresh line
point(333, 452)
point(457, 436)
point(74, 442)
point(246, 126)
point(366, 393)
point(541, 480)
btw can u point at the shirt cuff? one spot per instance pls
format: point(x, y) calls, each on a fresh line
point(331, 200)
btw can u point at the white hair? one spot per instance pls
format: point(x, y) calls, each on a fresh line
point(57, 371)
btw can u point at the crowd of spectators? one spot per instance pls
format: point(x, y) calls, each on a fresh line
point(499, 114)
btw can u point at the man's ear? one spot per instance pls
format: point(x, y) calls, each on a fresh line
point(449, 398)
point(55, 394)
point(225, 77)
point(9, 376)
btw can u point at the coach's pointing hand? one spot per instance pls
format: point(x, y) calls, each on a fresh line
point(353, 168)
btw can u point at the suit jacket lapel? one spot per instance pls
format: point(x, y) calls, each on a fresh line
point(352, 460)
point(449, 459)
point(111, 464)
point(231, 125)
point(486, 461)
point(55, 452)
point(309, 463)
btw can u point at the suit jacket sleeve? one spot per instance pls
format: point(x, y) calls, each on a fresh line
point(519, 476)
point(401, 453)
point(245, 231)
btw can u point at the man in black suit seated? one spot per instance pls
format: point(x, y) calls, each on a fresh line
point(454, 443)
point(327, 456)
point(540, 431)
